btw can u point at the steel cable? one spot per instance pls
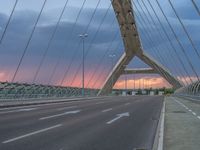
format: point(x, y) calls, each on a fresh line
point(172, 57)
point(177, 39)
point(170, 41)
point(58, 61)
point(94, 37)
point(9, 19)
point(50, 42)
point(184, 28)
point(29, 40)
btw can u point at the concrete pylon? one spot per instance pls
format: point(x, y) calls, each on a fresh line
point(124, 13)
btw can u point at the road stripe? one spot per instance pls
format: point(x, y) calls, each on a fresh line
point(63, 108)
point(127, 104)
point(194, 113)
point(18, 110)
point(106, 110)
point(99, 102)
point(59, 102)
point(32, 133)
point(62, 114)
point(186, 108)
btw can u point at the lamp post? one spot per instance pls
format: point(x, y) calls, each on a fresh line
point(112, 60)
point(83, 36)
point(125, 79)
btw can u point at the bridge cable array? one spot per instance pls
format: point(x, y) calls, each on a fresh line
point(28, 42)
point(145, 15)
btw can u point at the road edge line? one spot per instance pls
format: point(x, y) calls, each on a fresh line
point(159, 137)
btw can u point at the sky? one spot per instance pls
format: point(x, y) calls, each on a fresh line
point(57, 48)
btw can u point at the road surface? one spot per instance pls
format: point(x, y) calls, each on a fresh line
point(107, 123)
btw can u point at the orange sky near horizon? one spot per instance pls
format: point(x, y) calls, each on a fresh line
point(154, 82)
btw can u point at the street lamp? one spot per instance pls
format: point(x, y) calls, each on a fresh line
point(125, 79)
point(83, 36)
point(112, 60)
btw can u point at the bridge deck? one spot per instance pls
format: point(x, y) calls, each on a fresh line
point(109, 123)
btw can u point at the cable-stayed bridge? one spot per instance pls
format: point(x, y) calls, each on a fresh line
point(75, 66)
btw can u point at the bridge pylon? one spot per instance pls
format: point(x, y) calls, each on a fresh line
point(133, 47)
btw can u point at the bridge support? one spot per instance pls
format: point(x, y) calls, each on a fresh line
point(124, 13)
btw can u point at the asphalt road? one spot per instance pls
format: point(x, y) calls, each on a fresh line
point(108, 123)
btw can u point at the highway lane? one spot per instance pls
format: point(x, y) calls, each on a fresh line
point(108, 123)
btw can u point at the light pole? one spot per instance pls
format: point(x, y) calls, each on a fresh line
point(83, 36)
point(125, 79)
point(112, 60)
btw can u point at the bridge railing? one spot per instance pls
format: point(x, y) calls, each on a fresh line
point(190, 90)
point(31, 91)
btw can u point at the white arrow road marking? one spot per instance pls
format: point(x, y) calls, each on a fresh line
point(18, 110)
point(126, 114)
point(62, 114)
point(106, 110)
point(32, 133)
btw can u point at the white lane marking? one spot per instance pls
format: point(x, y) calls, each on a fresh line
point(187, 108)
point(194, 113)
point(126, 114)
point(62, 114)
point(127, 104)
point(18, 110)
point(28, 109)
point(32, 133)
point(63, 108)
point(59, 102)
point(162, 127)
point(99, 102)
point(106, 110)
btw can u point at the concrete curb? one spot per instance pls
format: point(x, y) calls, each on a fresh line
point(159, 137)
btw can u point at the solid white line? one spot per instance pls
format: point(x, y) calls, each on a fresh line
point(106, 110)
point(63, 108)
point(58, 102)
point(161, 132)
point(32, 133)
point(18, 110)
point(62, 114)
